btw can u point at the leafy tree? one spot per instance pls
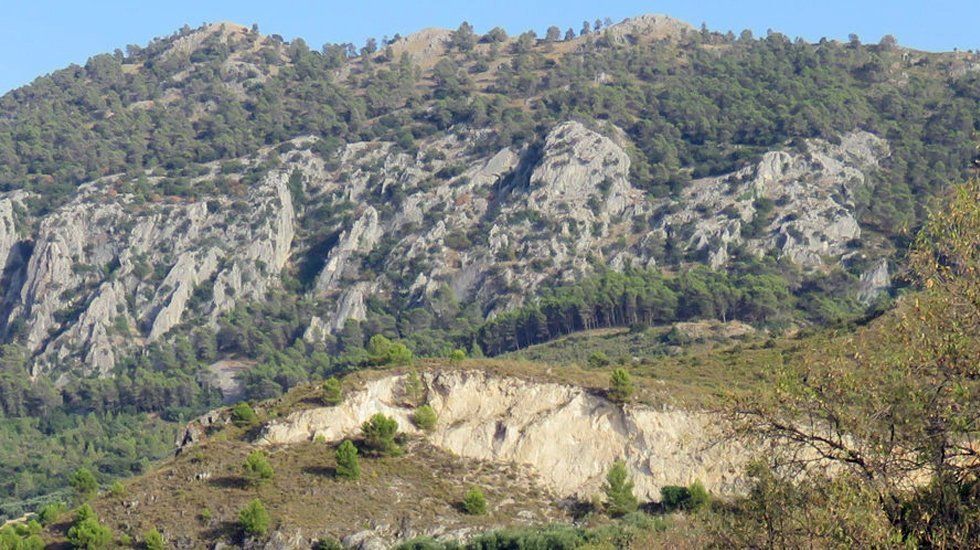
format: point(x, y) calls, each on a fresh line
point(254, 520)
point(425, 418)
point(474, 503)
point(553, 34)
point(385, 352)
point(496, 34)
point(621, 385)
point(84, 484)
point(379, 435)
point(463, 39)
point(619, 491)
point(242, 415)
point(896, 401)
point(332, 391)
point(347, 462)
point(257, 468)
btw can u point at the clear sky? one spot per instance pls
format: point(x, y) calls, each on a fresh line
point(39, 36)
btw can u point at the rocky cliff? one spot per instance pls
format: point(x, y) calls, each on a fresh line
point(123, 264)
point(567, 435)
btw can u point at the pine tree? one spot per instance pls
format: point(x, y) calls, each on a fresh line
point(332, 392)
point(379, 435)
point(619, 491)
point(257, 468)
point(347, 464)
point(622, 385)
point(253, 519)
point(474, 503)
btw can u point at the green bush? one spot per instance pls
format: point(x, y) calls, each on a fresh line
point(84, 484)
point(254, 520)
point(474, 503)
point(379, 435)
point(347, 463)
point(425, 418)
point(598, 360)
point(332, 392)
point(22, 536)
point(619, 491)
point(117, 489)
point(693, 497)
point(457, 355)
point(621, 386)
point(257, 468)
point(49, 513)
point(153, 540)
point(88, 534)
point(243, 416)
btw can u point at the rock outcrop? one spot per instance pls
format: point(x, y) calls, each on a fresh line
point(108, 272)
point(452, 221)
point(569, 436)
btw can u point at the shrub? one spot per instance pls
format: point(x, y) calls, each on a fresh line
point(621, 385)
point(347, 464)
point(597, 360)
point(425, 418)
point(332, 394)
point(84, 484)
point(257, 468)
point(619, 491)
point(413, 388)
point(117, 489)
point(327, 544)
point(49, 513)
point(87, 533)
point(153, 540)
point(699, 495)
point(457, 355)
point(692, 498)
point(243, 416)
point(474, 503)
point(253, 519)
point(379, 435)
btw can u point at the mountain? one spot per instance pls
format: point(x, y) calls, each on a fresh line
point(222, 215)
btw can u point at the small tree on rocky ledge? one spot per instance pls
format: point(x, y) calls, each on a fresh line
point(621, 385)
point(347, 464)
point(332, 392)
point(243, 416)
point(425, 418)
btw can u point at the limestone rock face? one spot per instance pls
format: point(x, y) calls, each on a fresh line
point(108, 273)
point(452, 220)
point(813, 194)
point(567, 435)
point(874, 282)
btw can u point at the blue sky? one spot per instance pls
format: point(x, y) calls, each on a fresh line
point(39, 36)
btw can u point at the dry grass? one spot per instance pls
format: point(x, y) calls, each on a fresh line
point(196, 497)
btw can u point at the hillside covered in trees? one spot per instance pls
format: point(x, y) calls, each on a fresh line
point(221, 195)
